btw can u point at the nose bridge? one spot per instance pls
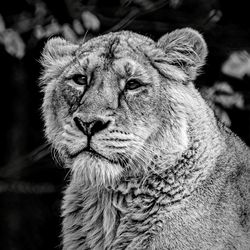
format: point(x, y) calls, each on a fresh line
point(110, 93)
point(102, 95)
point(99, 98)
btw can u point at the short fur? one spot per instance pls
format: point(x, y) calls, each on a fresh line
point(168, 175)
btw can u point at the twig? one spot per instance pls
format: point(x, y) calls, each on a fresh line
point(25, 161)
point(135, 13)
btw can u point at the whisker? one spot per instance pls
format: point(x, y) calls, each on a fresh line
point(146, 163)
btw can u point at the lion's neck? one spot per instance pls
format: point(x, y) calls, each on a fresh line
point(103, 217)
point(203, 128)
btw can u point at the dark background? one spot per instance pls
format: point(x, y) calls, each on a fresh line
point(31, 183)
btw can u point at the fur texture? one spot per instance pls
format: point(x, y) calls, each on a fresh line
point(151, 168)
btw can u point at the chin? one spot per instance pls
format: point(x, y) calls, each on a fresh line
point(92, 170)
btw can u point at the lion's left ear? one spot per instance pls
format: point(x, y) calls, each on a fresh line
point(186, 49)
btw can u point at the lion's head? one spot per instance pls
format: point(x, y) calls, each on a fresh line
point(118, 102)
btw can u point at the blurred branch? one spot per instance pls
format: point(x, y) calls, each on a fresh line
point(24, 162)
point(24, 187)
point(137, 12)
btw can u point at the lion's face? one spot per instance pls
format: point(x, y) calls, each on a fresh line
point(106, 108)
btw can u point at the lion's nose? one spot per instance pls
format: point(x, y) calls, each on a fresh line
point(90, 128)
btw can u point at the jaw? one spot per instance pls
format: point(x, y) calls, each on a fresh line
point(94, 171)
point(99, 171)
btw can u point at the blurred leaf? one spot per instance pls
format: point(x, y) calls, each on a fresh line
point(40, 9)
point(68, 33)
point(223, 116)
point(237, 65)
point(78, 27)
point(222, 93)
point(90, 21)
point(52, 28)
point(222, 97)
point(48, 30)
point(215, 16)
point(13, 43)
point(39, 32)
point(25, 22)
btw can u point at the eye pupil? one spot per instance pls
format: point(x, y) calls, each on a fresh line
point(133, 84)
point(80, 79)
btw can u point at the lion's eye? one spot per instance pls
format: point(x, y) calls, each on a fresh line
point(133, 84)
point(80, 79)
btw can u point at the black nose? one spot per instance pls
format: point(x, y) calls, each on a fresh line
point(91, 128)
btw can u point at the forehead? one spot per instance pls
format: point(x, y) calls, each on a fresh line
point(113, 47)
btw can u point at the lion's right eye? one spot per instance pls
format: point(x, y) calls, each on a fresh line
point(80, 79)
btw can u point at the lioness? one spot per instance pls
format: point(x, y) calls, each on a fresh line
point(151, 168)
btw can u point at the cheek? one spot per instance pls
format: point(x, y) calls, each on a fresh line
point(70, 98)
point(143, 112)
point(142, 106)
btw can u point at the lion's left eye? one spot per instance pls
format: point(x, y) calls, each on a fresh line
point(133, 84)
point(80, 79)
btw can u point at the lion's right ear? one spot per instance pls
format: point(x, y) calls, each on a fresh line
point(56, 53)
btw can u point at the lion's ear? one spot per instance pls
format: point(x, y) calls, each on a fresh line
point(56, 50)
point(186, 49)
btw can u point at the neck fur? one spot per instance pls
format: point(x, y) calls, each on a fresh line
point(94, 216)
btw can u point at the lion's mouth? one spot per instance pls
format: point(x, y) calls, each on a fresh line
point(120, 160)
point(93, 153)
point(90, 151)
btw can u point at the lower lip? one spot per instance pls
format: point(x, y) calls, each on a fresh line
point(98, 156)
point(93, 153)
